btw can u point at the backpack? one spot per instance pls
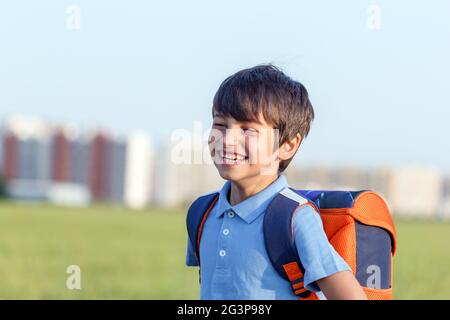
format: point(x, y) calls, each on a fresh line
point(358, 224)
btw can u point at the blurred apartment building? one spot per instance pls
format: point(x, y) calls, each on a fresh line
point(61, 164)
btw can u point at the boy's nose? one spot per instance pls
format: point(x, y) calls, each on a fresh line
point(232, 137)
point(233, 141)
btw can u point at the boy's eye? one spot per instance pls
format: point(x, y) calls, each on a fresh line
point(218, 125)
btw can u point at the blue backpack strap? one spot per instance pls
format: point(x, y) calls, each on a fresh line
point(279, 239)
point(197, 214)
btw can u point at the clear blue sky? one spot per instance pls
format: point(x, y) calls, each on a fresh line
point(380, 96)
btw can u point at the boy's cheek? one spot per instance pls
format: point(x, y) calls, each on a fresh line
point(215, 142)
point(215, 152)
point(262, 160)
point(260, 151)
point(215, 136)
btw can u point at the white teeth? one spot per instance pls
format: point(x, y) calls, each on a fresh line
point(232, 156)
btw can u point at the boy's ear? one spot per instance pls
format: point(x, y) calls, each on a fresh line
point(288, 149)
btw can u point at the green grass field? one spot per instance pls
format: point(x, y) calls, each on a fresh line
point(140, 255)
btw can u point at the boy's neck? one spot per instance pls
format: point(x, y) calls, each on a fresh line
point(243, 189)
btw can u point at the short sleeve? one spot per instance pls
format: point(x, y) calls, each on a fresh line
point(319, 258)
point(191, 260)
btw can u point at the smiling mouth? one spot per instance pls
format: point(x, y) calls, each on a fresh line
point(233, 158)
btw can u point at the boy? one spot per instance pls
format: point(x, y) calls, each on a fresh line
point(260, 117)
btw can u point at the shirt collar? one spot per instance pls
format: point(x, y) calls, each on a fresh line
point(252, 207)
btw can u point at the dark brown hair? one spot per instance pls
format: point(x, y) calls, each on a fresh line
point(266, 90)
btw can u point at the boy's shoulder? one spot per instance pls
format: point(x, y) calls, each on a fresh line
point(289, 193)
point(304, 215)
point(303, 203)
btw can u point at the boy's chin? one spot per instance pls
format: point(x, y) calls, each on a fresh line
point(236, 174)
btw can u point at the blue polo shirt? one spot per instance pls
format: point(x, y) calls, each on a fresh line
point(233, 257)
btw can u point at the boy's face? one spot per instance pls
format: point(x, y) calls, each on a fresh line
point(243, 149)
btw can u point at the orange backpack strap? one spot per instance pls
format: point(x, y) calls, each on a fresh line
point(295, 276)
